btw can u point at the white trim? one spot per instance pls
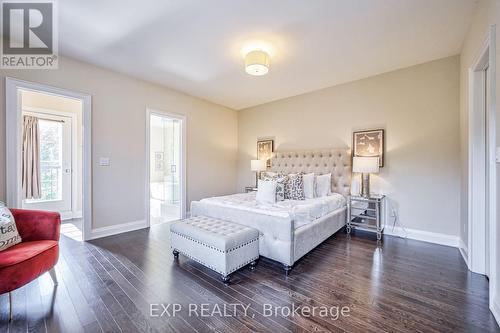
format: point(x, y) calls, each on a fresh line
point(424, 236)
point(13, 142)
point(67, 215)
point(480, 220)
point(482, 167)
point(118, 229)
point(493, 175)
point(182, 119)
point(463, 251)
point(495, 307)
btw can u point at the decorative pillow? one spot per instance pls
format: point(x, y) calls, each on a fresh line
point(294, 189)
point(308, 180)
point(8, 231)
point(280, 183)
point(324, 185)
point(266, 191)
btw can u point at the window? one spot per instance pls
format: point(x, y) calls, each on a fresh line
point(51, 159)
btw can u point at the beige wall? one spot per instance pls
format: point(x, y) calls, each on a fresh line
point(57, 103)
point(486, 15)
point(418, 107)
point(118, 131)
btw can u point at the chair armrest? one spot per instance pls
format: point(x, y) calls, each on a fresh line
point(37, 225)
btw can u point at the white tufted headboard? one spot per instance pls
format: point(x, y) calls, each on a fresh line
point(336, 161)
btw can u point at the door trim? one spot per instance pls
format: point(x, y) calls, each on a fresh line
point(478, 158)
point(13, 143)
point(183, 195)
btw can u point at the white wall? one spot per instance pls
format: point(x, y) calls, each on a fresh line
point(419, 109)
point(487, 14)
point(119, 105)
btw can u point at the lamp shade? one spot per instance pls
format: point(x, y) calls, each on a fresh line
point(258, 165)
point(365, 164)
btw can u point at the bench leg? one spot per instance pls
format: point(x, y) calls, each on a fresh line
point(287, 269)
point(253, 264)
point(226, 279)
point(176, 254)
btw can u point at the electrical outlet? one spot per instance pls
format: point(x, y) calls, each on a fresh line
point(104, 161)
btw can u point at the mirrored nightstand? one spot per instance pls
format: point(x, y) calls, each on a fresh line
point(366, 213)
point(250, 189)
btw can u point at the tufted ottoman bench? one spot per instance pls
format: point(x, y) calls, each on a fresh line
point(219, 245)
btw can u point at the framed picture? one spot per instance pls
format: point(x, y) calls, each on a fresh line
point(369, 143)
point(265, 150)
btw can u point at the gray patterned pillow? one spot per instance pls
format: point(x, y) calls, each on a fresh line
point(294, 188)
point(8, 231)
point(281, 181)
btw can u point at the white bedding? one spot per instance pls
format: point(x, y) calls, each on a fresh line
point(301, 212)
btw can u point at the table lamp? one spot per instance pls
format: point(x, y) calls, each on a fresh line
point(365, 166)
point(257, 166)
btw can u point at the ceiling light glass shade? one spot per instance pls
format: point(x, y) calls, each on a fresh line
point(257, 63)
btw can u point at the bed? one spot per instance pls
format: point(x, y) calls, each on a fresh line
point(290, 229)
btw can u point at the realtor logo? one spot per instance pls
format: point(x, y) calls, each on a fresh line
point(29, 35)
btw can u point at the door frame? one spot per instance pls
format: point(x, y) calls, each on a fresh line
point(182, 168)
point(13, 131)
point(482, 180)
point(74, 153)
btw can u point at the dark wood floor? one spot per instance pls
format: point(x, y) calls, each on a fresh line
point(108, 285)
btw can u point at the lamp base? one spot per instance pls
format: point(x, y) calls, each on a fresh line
point(365, 185)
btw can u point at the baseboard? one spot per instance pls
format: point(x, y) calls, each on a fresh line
point(463, 251)
point(495, 309)
point(424, 236)
point(117, 229)
point(71, 215)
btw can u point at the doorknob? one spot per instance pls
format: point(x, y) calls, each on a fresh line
point(67, 170)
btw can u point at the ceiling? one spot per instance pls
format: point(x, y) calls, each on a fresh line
point(196, 46)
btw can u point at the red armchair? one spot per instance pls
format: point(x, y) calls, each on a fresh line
point(36, 254)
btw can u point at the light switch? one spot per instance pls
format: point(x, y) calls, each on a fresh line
point(104, 161)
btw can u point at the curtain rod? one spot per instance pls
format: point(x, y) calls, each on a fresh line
point(40, 118)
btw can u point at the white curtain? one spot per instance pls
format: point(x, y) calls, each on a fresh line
point(31, 158)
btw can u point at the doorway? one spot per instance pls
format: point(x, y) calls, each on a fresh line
point(59, 157)
point(165, 167)
point(48, 144)
point(481, 252)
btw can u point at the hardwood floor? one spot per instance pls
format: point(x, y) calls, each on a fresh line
point(108, 285)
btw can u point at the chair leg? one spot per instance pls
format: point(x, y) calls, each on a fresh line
point(10, 306)
point(53, 275)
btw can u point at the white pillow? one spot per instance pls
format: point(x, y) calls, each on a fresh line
point(308, 181)
point(266, 191)
point(324, 185)
point(8, 231)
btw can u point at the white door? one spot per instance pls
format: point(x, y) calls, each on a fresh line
point(55, 165)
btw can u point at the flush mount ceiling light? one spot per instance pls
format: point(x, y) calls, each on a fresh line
point(257, 63)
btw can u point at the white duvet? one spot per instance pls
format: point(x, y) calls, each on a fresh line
point(300, 211)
